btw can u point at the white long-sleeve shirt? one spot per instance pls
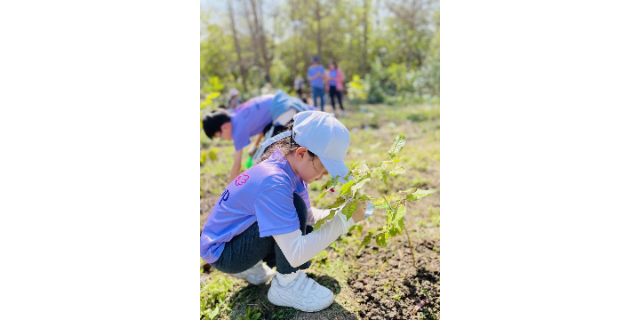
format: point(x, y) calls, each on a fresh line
point(299, 249)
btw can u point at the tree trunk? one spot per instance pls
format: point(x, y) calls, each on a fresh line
point(364, 51)
point(243, 71)
point(319, 31)
point(261, 39)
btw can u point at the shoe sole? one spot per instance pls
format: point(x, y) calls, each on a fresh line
point(275, 299)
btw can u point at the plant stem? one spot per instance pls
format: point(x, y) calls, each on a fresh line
point(393, 211)
point(413, 256)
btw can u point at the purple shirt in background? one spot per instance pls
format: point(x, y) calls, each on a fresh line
point(264, 193)
point(249, 119)
point(317, 82)
point(333, 74)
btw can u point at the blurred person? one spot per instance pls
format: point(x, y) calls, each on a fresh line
point(234, 99)
point(297, 84)
point(316, 75)
point(334, 85)
point(265, 214)
point(256, 117)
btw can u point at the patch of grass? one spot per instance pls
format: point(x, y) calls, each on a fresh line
point(434, 214)
point(332, 267)
point(398, 295)
point(213, 296)
point(252, 314)
point(284, 313)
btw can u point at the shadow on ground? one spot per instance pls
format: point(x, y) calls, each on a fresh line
point(255, 297)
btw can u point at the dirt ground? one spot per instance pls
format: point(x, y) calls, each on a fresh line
point(374, 283)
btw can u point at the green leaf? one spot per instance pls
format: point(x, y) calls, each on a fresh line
point(320, 222)
point(398, 144)
point(212, 96)
point(394, 231)
point(397, 170)
point(359, 185)
point(346, 187)
point(362, 169)
point(399, 214)
point(212, 155)
point(329, 184)
point(359, 227)
point(410, 190)
point(215, 312)
point(350, 209)
point(215, 84)
point(365, 197)
point(381, 240)
point(203, 157)
point(420, 193)
point(340, 201)
point(366, 241)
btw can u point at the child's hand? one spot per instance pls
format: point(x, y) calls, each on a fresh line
point(253, 150)
point(359, 215)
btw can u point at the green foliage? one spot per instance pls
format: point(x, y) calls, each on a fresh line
point(398, 144)
point(356, 88)
point(400, 58)
point(213, 154)
point(203, 157)
point(213, 87)
point(394, 204)
point(213, 297)
point(252, 314)
point(208, 155)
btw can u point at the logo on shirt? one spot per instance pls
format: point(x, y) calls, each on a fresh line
point(224, 197)
point(241, 179)
point(244, 109)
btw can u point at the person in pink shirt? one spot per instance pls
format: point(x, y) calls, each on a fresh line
point(335, 79)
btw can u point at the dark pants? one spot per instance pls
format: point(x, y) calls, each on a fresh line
point(334, 92)
point(318, 93)
point(248, 248)
point(277, 130)
point(299, 91)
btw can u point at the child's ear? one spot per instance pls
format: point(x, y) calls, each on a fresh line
point(300, 153)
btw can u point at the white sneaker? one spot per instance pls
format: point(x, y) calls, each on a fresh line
point(257, 274)
point(302, 293)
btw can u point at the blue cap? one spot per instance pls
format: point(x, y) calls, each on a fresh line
point(325, 136)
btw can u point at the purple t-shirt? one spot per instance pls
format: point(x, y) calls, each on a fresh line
point(264, 193)
point(249, 119)
point(317, 82)
point(333, 74)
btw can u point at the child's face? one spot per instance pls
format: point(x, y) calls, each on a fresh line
point(309, 168)
point(225, 132)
